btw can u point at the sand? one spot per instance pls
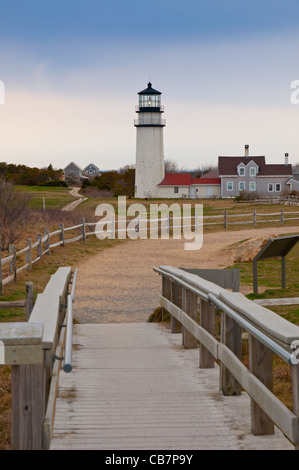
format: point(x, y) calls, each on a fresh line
point(119, 284)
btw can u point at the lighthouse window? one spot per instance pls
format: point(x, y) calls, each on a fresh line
point(176, 189)
point(149, 101)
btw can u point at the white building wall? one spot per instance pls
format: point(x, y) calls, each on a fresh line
point(149, 161)
point(167, 192)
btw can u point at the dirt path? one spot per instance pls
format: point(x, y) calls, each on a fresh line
point(79, 198)
point(119, 284)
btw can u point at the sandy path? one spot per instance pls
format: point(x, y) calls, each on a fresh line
point(119, 284)
point(72, 205)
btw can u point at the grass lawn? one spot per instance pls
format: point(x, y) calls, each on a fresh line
point(55, 198)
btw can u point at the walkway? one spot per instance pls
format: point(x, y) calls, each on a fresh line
point(134, 386)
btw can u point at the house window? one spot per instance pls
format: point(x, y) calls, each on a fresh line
point(229, 186)
point(242, 186)
point(278, 187)
point(176, 190)
point(252, 186)
point(241, 171)
point(253, 171)
point(270, 187)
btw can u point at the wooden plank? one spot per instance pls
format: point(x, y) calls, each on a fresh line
point(48, 423)
point(176, 299)
point(13, 304)
point(47, 306)
point(205, 338)
point(273, 302)
point(260, 364)
point(207, 321)
point(283, 418)
point(231, 337)
point(134, 386)
point(265, 320)
point(28, 391)
point(190, 307)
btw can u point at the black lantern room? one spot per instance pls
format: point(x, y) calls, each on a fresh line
point(150, 100)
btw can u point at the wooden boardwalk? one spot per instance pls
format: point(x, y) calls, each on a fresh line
point(134, 386)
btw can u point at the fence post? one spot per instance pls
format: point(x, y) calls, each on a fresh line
point(225, 219)
point(61, 227)
point(13, 262)
point(1, 287)
point(166, 292)
point(207, 321)
point(28, 392)
point(39, 246)
point(176, 299)
point(83, 229)
point(281, 216)
point(260, 364)
point(47, 241)
point(254, 217)
point(29, 299)
point(190, 307)
point(231, 336)
point(29, 253)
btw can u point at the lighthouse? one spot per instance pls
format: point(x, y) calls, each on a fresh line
point(149, 143)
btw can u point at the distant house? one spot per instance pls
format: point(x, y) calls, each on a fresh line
point(293, 182)
point(182, 185)
point(251, 174)
point(92, 170)
point(73, 173)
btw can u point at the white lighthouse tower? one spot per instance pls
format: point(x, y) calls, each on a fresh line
point(149, 143)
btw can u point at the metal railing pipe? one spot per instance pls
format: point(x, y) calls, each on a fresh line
point(67, 367)
point(268, 342)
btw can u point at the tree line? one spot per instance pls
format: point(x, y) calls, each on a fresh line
point(25, 175)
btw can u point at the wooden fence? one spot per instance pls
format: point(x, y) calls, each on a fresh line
point(34, 252)
point(26, 304)
point(36, 350)
point(287, 200)
point(192, 302)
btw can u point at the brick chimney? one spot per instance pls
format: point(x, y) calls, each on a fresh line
point(286, 158)
point(246, 150)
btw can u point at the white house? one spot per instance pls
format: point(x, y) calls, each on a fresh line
point(92, 170)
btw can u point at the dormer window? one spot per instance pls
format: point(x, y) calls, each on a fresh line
point(253, 171)
point(241, 171)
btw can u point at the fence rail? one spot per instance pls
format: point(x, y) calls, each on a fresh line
point(290, 200)
point(43, 245)
point(36, 350)
point(192, 302)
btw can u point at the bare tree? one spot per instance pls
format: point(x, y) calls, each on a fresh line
point(172, 166)
point(13, 209)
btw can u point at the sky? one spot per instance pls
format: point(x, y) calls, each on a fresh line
point(70, 73)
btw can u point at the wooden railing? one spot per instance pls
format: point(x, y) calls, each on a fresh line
point(36, 351)
point(192, 302)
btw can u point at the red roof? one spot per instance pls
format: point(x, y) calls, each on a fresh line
point(176, 179)
point(204, 180)
point(184, 179)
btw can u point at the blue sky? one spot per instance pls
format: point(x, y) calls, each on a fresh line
point(72, 71)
